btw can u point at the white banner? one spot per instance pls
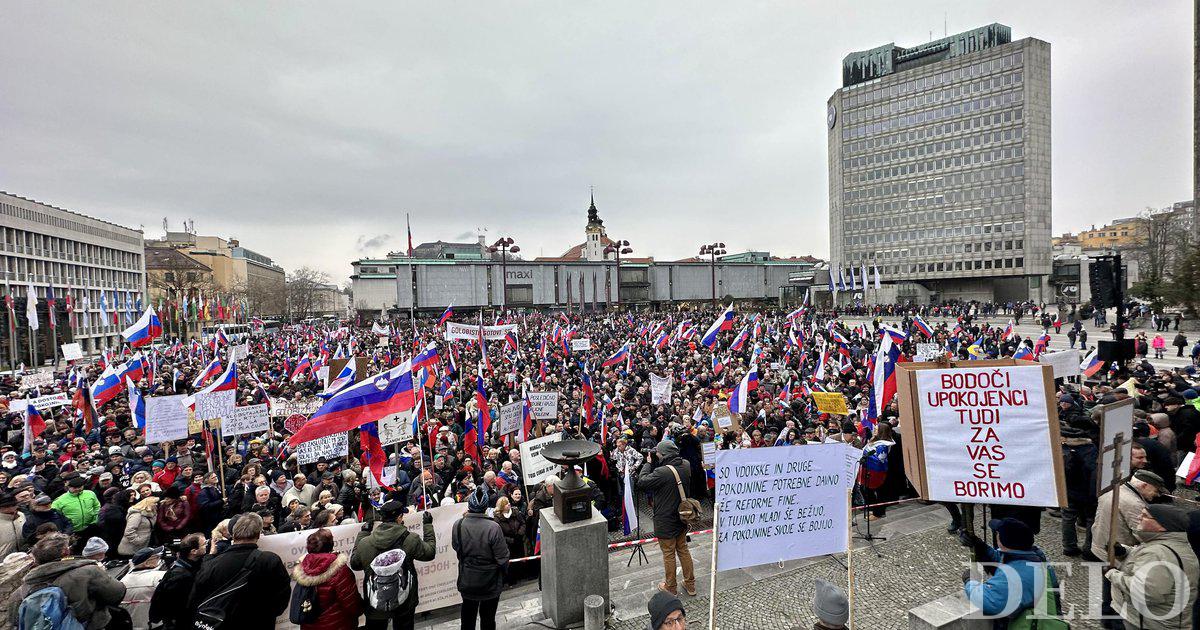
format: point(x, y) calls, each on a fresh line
point(782, 503)
point(396, 428)
point(543, 405)
point(333, 446)
point(72, 351)
point(41, 378)
point(239, 352)
point(41, 402)
point(536, 467)
point(469, 331)
point(1065, 362)
point(289, 407)
point(510, 418)
point(215, 404)
point(436, 579)
point(243, 420)
point(581, 345)
point(928, 352)
point(660, 389)
point(986, 434)
point(166, 419)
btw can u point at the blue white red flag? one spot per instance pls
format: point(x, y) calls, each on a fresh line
point(740, 398)
point(922, 326)
point(137, 406)
point(368, 400)
point(145, 330)
point(620, 355)
point(446, 315)
point(724, 321)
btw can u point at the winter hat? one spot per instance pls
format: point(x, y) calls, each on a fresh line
point(391, 510)
point(478, 501)
point(42, 499)
point(1013, 533)
point(667, 449)
point(95, 545)
point(1173, 519)
point(1190, 394)
point(830, 604)
point(661, 606)
point(1153, 479)
point(145, 553)
point(7, 500)
point(75, 482)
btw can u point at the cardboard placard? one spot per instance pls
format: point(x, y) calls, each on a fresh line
point(166, 419)
point(928, 352)
point(212, 405)
point(41, 378)
point(396, 428)
point(292, 407)
point(831, 402)
point(1115, 419)
point(243, 420)
point(581, 345)
point(510, 418)
point(1065, 362)
point(543, 405)
point(333, 446)
point(72, 351)
point(536, 467)
point(708, 453)
point(956, 424)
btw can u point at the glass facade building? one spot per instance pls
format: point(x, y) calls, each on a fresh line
point(939, 167)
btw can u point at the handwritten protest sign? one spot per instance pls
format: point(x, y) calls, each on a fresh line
point(831, 402)
point(779, 504)
point(543, 405)
point(988, 434)
point(396, 428)
point(166, 419)
point(928, 352)
point(581, 345)
point(290, 407)
point(1065, 362)
point(536, 467)
point(243, 420)
point(72, 351)
point(510, 418)
point(213, 405)
point(41, 378)
point(660, 389)
point(40, 402)
point(436, 581)
point(239, 352)
point(330, 447)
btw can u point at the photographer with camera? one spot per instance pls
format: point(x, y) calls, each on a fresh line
point(667, 479)
point(394, 595)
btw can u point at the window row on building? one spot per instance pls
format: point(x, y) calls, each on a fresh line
point(934, 115)
point(870, 93)
point(912, 173)
point(61, 223)
point(908, 152)
point(882, 113)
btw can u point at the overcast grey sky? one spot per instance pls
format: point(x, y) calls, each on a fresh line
point(308, 130)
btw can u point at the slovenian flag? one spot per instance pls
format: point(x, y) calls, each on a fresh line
point(620, 355)
point(589, 398)
point(209, 371)
point(145, 330)
point(368, 400)
point(1023, 353)
point(925, 328)
point(724, 321)
point(1092, 364)
point(137, 406)
point(739, 399)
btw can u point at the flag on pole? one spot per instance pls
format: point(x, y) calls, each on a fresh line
point(137, 405)
point(145, 330)
point(629, 515)
point(740, 398)
point(31, 306)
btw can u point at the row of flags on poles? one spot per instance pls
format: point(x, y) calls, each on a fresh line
point(861, 281)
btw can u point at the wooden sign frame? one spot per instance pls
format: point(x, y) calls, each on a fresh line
point(911, 434)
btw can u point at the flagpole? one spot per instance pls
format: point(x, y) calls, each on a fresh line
point(712, 578)
point(53, 329)
point(12, 328)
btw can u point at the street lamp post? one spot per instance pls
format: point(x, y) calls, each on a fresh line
point(618, 248)
point(505, 247)
point(713, 250)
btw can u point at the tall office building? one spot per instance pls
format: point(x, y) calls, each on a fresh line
point(939, 167)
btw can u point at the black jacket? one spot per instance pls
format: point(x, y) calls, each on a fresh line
point(266, 596)
point(1186, 423)
point(482, 556)
point(111, 522)
point(169, 604)
point(664, 494)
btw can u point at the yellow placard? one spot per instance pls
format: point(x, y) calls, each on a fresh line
point(196, 427)
point(831, 402)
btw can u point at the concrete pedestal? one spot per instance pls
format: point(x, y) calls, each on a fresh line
point(574, 565)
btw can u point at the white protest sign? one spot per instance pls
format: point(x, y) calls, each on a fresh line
point(382, 342)
point(243, 420)
point(436, 579)
point(214, 405)
point(333, 446)
point(660, 389)
point(41, 378)
point(986, 435)
point(536, 467)
point(291, 407)
point(581, 345)
point(469, 331)
point(708, 453)
point(1117, 419)
point(1065, 362)
point(396, 428)
point(510, 418)
point(72, 351)
point(40, 402)
point(239, 352)
point(543, 405)
point(166, 419)
point(439, 402)
point(928, 352)
point(780, 504)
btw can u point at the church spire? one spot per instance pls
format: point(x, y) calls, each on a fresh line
point(593, 214)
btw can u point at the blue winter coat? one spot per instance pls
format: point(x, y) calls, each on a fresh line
point(991, 595)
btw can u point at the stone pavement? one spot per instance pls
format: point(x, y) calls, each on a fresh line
point(919, 562)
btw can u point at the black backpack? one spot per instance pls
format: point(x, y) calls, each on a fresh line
point(304, 608)
point(212, 613)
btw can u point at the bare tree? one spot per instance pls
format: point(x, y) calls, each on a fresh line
point(1161, 244)
point(262, 296)
point(303, 288)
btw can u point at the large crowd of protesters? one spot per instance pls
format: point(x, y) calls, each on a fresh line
point(155, 535)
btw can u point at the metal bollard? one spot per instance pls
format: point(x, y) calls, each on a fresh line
point(594, 613)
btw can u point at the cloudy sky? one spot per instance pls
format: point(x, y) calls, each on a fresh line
point(309, 130)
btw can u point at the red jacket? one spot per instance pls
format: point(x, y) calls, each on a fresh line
point(337, 592)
